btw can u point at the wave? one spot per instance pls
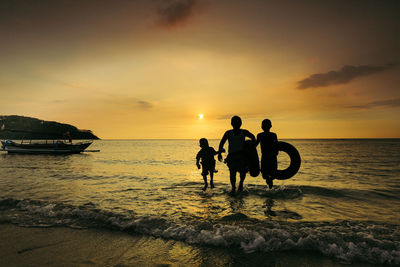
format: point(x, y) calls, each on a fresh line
point(293, 191)
point(348, 241)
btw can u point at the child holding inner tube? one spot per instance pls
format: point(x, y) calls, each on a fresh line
point(269, 151)
point(236, 159)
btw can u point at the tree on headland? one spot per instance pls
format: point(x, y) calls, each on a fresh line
point(21, 127)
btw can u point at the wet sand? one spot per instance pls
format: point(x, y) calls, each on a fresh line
point(61, 246)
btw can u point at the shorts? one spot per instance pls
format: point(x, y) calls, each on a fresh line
point(236, 162)
point(208, 168)
point(269, 166)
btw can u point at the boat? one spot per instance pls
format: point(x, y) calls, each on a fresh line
point(52, 147)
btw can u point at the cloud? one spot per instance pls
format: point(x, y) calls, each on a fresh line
point(175, 12)
point(133, 103)
point(381, 103)
point(225, 116)
point(127, 102)
point(143, 104)
point(59, 101)
point(242, 116)
point(344, 75)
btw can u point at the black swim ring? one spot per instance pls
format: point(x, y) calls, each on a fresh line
point(295, 161)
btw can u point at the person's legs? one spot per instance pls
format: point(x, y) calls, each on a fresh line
point(268, 165)
point(242, 177)
point(269, 181)
point(264, 168)
point(205, 181)
point(233, 179)
point(273, 171)
point(212, 179)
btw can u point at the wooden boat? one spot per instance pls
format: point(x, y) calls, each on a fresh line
point(52, 147)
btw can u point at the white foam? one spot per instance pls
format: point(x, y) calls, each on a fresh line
point(347, 241)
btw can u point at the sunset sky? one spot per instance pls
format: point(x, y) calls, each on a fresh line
point(147, 69)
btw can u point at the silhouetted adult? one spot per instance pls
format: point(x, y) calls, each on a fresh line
point(236, 157)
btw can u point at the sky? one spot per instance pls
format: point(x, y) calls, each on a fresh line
point(129, 69)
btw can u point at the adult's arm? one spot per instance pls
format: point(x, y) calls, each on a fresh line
point(250, 135)
point(221, 144)
point(223, 141)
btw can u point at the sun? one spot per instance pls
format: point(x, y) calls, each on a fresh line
point(201, 116)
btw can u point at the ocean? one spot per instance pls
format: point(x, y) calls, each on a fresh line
point(343, 204)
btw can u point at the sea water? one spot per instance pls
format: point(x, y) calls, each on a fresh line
point(343, 203)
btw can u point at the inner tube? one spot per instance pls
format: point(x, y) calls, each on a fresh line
point(295, 161)
point(252, 160)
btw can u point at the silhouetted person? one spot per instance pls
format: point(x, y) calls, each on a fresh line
point(67, 135)
point(206, 155)
point(236, 159)
point(268, 142)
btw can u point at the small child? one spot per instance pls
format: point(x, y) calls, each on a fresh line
point(269, 152)
point(206, 154)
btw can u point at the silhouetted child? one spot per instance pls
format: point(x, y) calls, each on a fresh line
point(269, 151)
point(236, 159)
point(206, 155)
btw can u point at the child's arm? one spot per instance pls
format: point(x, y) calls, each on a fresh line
point(275, 138)
point(198, 160)
point(258, 139)
point(218, 152)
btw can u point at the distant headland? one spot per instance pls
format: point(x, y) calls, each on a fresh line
point(21, 127)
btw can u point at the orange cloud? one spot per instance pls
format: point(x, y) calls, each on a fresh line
point(380, 103)
point(344, 75)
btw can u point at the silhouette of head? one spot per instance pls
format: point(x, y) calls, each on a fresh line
point(203, 143)
point(266, 125)
point(236, 122)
